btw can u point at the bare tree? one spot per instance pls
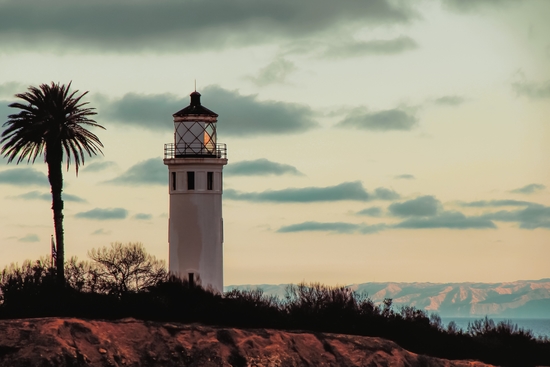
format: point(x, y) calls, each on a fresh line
point(125, 267)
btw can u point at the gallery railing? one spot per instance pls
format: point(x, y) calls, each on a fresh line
point(195, 150)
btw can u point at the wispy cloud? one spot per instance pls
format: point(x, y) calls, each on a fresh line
point(29, 238)
point(98, 166)
point(260, 167)
point(449, 101)
point(354, 48)
point(532, 90)
point(404, 177)
point(37, 195)
point(100, 231)
point(23, 177)
point(467, 6)
point(103, 214)
point(143, 216)
point(374, 211)
point(240, 115)
point(447, 219)
point(274, 73)
point(381, 193)
point(149, 172)
point(529, 189)
point(8, 89)
point(335, 227)
point(388, 120)
point(353, 191)
point(495, 203)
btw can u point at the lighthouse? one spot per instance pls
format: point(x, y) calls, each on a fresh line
point(195, 162)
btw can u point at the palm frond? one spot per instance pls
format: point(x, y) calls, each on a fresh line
point(51, 118)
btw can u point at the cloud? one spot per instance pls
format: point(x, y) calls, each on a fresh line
point(98, 166)
point(260, 167)
point(274, 73)
point(149, 172)
point(376, 47)
point(335, 227)
point(422, 206)
point(23, 177)
point(37, 195)
point(448, 219)
point(353, 191)
point(100, 231)
point(394, 119)
point(103, 214)
point(9, 89)
point(449, 101)
point(142, 216)
point(29, 238)
point(148, 111)
point(532, 90)
point(371, 212)
point(5, 110)
point(247, 116)
point(382, 193)
point(176, 26)
point(534, 216)
point(529, 189)
point(404, 177)
point(495, 203)
point(240, 115)
point(466, 6)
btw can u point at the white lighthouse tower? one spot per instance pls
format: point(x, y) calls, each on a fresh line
point(195, 161)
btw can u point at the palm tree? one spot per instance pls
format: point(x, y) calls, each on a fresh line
point(50, 123)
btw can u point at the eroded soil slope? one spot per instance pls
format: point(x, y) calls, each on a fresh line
point(129, 342)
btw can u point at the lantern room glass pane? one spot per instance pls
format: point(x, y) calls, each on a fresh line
point(195, 138)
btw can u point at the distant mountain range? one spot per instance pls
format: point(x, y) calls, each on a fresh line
point(519, 299)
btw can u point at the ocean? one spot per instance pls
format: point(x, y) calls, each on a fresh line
point(539, 327)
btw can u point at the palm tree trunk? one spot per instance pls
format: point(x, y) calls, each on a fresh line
point(55, 176)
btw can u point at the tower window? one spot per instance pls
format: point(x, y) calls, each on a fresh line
point(174, 181)
point(190, 180)
point(210, 180)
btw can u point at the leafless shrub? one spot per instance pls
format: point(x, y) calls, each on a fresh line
point(124, 267)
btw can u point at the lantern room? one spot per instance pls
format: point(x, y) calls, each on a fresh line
point(195, 132)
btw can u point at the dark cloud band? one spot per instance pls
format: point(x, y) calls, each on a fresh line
point(240, 115)
point(181, 26)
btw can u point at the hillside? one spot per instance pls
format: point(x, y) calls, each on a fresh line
point(523, 298)
point(75, 342)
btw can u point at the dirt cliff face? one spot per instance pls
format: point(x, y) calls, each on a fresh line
point(129, 342)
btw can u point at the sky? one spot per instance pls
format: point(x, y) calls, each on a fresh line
point(378, 140)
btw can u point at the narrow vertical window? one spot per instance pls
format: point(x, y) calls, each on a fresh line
point(210, 180)
point(174, 181)
point(190, 180)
